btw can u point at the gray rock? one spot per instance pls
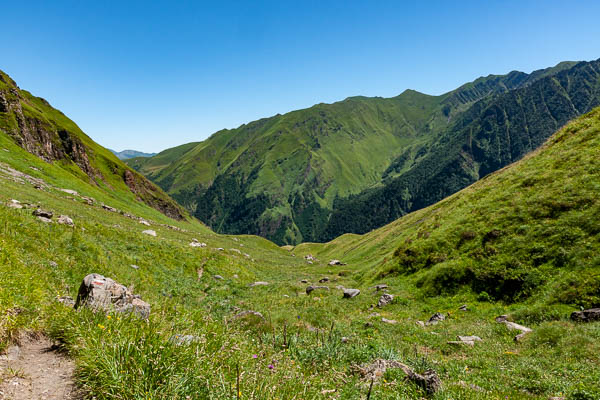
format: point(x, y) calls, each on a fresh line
point(218, 277)
point(420, 323)
point(311, 288)
point(389, 321)
point(12, 353)
point(65, 220)
point(435, 319)
point(463, 308)
point(503, 319)
point(69, 191)
point(109, 208)
point(43, 213)
point(336, 262)
point(592, 314)
point(53, 264)
point(134, 266)
point(196, 243)
point(381, 287)
point(66, 300)
point(14, 204)
point(144, 222)
point(100, 293)
point(304, 281)
point(44, 219)
point(149, 232)
point(324, 279)
point(253, 284)
point(350, 293)
point(466, 340)
point(385, 299)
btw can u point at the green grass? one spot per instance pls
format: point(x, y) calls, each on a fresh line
point(542, 204)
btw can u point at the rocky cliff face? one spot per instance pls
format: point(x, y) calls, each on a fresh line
point(47, 133)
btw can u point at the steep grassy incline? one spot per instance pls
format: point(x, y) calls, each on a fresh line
point(47, 133)
point(492, 133)
point(530, 229)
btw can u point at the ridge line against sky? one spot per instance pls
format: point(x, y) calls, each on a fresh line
point(152, 75)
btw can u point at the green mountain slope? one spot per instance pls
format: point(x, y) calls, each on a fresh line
point(37, 127)
point(313, 174)
point(530, 230)
point(492, 133)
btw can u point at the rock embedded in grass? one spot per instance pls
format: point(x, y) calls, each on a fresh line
point(435, 319)
point(100, 293)
point(350, 293)
point(149, 232)
point(324, 279)
point(381, 286)
point(65, 220)
point(385, 299)
point(592, 314)
point(259, 283)
point(43, 213)
point(468, 340)
point(14, 204)
point(336, 262)
point(218, 277)
point(183, 340)
point(311, 288)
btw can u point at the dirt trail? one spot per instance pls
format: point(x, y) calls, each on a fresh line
point(34, 370)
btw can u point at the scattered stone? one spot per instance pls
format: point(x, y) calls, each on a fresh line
point(260, 283)
point(44, 219)
point(309, 257)
point(144, 222)
point(218, 277)
point(286, 296)
point(435, 319)
point(381, 286)
point(235, 276)
point(101, 293)
point(65, 220)
point(345, 339)
point(503, 319)
point(43, 213)
point(149, 232)
point(429, 381)
point(183, 340)
point(385, 299)
point(109, 208)
point(336, 262)
point(463, 308)
point(196, 243)
point(375, 314)
point(220, 249)
point(350, 293)
point(12, 353)
point(323, 280)
point(53, 264)
point(88, 200)
point(66, 300)
point(69, 191)
point(389, 321)
point(468, 340)
point(14, 204)
point(236, 251)
point(134, 266)
point(592, 314)
point(420, 323)
point(339, 287)
point(328, 391)
point(312, 288)
point(304, 281)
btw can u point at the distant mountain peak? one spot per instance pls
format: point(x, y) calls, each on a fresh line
point(127, 154)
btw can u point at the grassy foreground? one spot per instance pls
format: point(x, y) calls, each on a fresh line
point(434, 260)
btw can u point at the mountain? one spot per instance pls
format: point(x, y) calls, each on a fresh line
point(34, 125)
point(528, 232)
point(127, 154)
point(352, 166)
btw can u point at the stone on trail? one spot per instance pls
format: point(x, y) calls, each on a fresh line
point(312, 288)
point(350, 293)
point(260, 283)
point(100, 293)
point(149, 232)
point(385, 299)
point(435, 319)
point(592, 314)
point(65, 220)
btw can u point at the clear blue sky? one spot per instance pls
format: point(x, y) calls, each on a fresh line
point(149, 74)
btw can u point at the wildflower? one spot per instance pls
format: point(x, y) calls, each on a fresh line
point(101, 326)
point(108, 317)
point(271, 366)
point(254, 356)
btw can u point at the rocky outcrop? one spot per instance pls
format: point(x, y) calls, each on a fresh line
point(100, 293)
point(592, 314)
point(350, 293)
point(385, 299)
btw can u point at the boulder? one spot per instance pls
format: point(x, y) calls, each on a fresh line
point(65, 220)
point(42, 213)
point(313, 288)
point(435, 319)
point(592, 314)
point(350, 293)
point(385, 299)
point(149, 232)
point(100, 293)
point(309, 257)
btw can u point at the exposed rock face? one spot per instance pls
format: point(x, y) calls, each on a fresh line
point(147, 192)
point(592, 314)
point(101, 293)
point(350, 293)
point(385, 299)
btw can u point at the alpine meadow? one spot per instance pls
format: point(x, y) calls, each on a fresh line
point(442, 246)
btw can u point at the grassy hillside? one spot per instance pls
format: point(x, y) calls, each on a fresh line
point(33, 124)
point(532, 226)
point(352, 166)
